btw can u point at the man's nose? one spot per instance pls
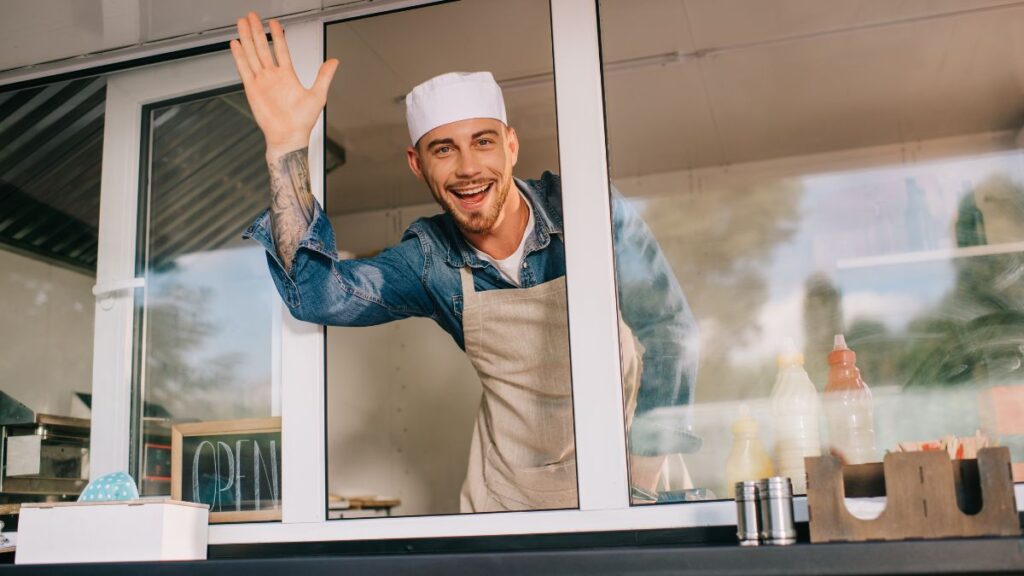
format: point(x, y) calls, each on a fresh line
point(469, 165)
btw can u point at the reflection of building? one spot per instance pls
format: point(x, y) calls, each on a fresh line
point(975, 334)
point(999, 200)
point(917, 219)
point(970, 222)
point(823, 318)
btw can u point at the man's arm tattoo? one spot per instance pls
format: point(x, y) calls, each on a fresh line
point(291, 207)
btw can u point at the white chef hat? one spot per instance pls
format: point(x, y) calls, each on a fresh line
point(452, 97)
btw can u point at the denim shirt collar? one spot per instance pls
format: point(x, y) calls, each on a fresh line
point(547, 222)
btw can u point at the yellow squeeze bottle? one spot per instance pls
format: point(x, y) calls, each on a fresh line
point(747, 460)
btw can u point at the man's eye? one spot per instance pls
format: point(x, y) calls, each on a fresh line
point(442, 150)
point(484, 142)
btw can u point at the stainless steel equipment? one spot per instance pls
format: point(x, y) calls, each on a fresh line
point(47, 457)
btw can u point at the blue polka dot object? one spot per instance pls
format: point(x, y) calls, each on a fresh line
point(110, 488)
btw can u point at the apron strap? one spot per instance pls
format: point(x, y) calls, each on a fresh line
point(466, 274)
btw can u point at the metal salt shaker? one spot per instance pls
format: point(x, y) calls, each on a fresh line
point(776, 500)
point(748, 522)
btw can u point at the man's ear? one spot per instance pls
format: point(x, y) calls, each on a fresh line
point(512, 140)
point(413, 157)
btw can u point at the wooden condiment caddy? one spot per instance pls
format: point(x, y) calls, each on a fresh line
point(927, 496)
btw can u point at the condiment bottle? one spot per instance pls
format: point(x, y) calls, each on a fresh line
point(747, 460)
point(848, 407)
point(795, 411)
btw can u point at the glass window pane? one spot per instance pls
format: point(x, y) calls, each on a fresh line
point(204, 335)
point(828, 171)
point(413, 404)
point(49, 211)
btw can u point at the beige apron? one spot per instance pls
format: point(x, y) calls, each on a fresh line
point(523, 454)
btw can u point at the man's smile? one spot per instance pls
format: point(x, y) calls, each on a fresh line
point(471, 195)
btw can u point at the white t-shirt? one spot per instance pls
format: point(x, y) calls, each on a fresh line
point(510, 267)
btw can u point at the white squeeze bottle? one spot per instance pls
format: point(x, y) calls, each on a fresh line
point(848, 407)
point(795, 409)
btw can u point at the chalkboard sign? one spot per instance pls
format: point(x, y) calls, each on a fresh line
point(232, 465)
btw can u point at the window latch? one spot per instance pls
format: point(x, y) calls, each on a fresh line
point(101, 290)
point(104, 292)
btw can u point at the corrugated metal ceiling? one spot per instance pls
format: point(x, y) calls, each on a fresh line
point(208, 178)
point(50, 170)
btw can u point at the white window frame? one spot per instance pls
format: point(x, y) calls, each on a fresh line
point(298, 367)
point(117, 287)
point(298, 363)
point(593, 331)
point(296, 346)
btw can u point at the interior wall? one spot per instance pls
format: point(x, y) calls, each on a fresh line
point(46, 315)
point(401, 397)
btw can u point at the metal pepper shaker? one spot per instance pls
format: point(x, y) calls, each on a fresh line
point(776, 502)
point(748, 512)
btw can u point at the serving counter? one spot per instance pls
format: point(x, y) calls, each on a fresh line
point(620, 553)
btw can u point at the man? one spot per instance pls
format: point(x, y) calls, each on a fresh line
point(490, 271)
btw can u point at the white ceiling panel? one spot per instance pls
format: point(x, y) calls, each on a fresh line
point(365, 86)
point(883, 85)
point(511, 38)
point(44, 30)
point(659, 120)
point(631, 29)
point(169, 18)
point(723, 23)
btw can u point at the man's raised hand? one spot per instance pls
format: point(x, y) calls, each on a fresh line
point(283, 108)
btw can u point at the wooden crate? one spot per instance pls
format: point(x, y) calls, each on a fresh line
point(926, 493)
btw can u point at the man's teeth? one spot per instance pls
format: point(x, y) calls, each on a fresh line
point(470, 191)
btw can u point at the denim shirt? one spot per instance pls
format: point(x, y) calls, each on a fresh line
point(420, 277)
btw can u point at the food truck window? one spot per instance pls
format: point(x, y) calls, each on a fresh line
point(49, 213)
point(808, 170)
point(204, 330)
point(403, 398)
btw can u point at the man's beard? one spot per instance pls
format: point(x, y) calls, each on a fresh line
point(477, 222)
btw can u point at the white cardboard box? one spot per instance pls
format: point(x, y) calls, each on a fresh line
point(127, 531)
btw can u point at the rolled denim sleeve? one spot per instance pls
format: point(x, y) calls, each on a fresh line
point(323, 289)
point(654, 307)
